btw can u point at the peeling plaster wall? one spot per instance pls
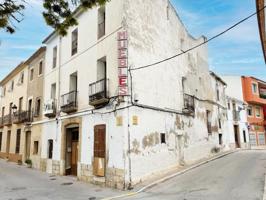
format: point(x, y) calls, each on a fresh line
point(154, 36)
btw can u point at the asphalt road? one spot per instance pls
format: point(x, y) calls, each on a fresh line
point(238, 176)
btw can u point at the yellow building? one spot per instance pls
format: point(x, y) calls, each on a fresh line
point(21, 109)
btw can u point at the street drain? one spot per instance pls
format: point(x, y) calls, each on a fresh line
point(67, 183)
point(18, 188)
point(52, 176)
point(21, 199)
point(53, 179)
point(92, 198)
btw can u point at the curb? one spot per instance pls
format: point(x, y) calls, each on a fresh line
point(264, 194)
point(174, 175)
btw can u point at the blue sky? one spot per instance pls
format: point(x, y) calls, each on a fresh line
point(236, 53)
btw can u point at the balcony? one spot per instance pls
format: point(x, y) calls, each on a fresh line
point(7, 120)
point(23, 117)
point(50, 108)
point(189, 104)
point(69, 102)
point(98, 95)
point(236, 115)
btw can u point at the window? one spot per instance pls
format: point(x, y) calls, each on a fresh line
point(18, 141)
point(1, 135)
point(12, 85)
point(220, 123)
point(38, 107)
point(20, 104)
point(3, 111)
point(40, 68)
point(35, 147)
point(50, 149)
point(21, 78)
point(220, 139)
point(101, 22)
point(74, 48)
point(217, 94)
point(31, 74)
point(229, 105)
point(257, 111)
point(250, 112)
point(4, 92)
point(244, 136)
point(54, 56)
point(53, 91)
point(163, 139)
point(209, 128)
point(254, 88)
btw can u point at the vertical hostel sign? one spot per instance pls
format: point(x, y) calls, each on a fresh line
point(122, 39)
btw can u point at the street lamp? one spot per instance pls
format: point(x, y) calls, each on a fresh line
point(14, 108)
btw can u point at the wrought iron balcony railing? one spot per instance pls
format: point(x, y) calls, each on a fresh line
point(7, 120)
point(23, 117)
point(98, 94)
point(189, 103)
point(69, 102)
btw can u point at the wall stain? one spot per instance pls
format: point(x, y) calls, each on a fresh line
point(135, 147)
point(179, 122)
point(151, 140)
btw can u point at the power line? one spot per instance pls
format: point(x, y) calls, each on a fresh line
point(205, 42)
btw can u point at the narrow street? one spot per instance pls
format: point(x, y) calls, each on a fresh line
point(239, 176)
point(21, 183)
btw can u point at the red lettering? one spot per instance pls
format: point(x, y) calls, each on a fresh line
point(122, 53)
point(122, 72)
point(122, 35)
point(122, 62)
point(122, 81)
point(122, 91)
point(122, 44)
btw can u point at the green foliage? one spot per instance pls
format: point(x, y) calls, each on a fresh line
point(10, 10)
point(57, 14)
point(28, 162)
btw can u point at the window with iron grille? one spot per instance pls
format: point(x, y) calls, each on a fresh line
point(18, 141)
point(50, 149)
point(36, 147)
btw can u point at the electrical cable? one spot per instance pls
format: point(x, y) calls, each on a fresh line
point(201, 44)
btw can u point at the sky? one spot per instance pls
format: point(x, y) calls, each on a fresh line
point(238, 52)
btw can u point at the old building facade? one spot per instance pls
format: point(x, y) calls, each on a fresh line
point(14, 114)
point(21, 107)
point(107, 121)
point(237, 113)
point(254, 92)
point(113, 107)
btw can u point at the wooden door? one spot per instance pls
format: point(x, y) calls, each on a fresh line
point(8, 142)
point(74, 158)
point(99, 150)
point(27, 144)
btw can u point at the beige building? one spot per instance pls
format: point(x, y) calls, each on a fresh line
point(21, 109)
point(35, 66)
point(14, 114)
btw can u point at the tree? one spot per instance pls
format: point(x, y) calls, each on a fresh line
point(57, 13)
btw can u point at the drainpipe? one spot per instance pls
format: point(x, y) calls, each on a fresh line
point(59, 87)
